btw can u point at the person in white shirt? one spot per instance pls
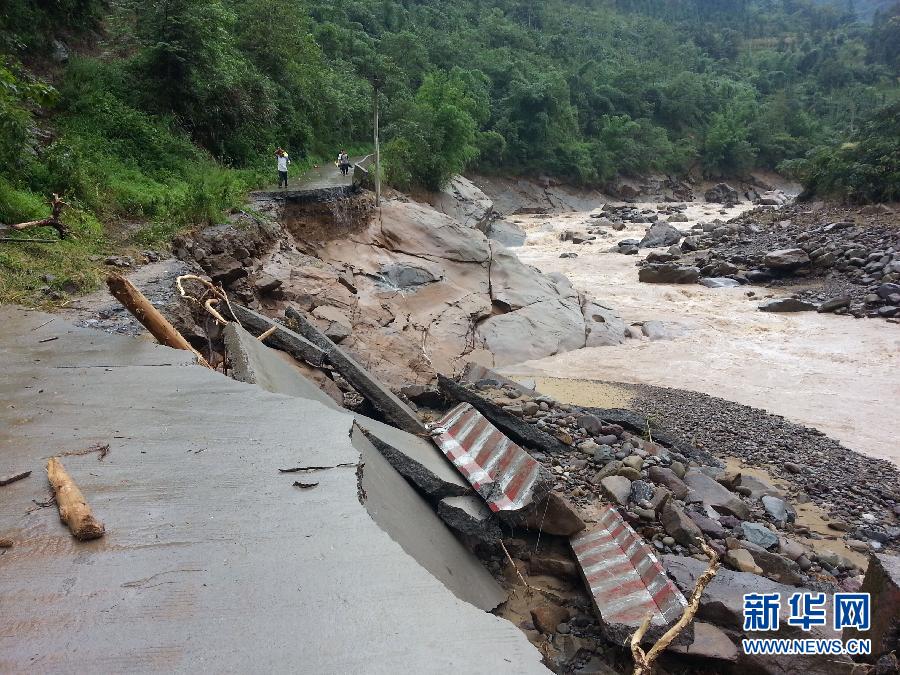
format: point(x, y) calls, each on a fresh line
point(283, 161)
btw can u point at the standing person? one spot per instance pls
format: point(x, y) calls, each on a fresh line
point(283, 161)
point(344, 162)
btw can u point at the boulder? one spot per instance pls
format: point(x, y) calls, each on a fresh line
point(759, 534)
point(668, 273)
point(405, 276)
point(722, 194)
point(833, 304)
point(337, 325)
point(659, 235)
point(774, 566)
point(559, 566)
point(464, 201)
point(786, 259)
point(655, 330)
point(665, 476)
point(710, 642)
point(778, 509)
point(554, 515)
point(882, 582)
point(709, 526)
point(719, 282)
point(741, 560)
point(679, 526)
point(547, 617)
point(617, 488)
point(602, 326)
point(787, 305)
point(715, 496)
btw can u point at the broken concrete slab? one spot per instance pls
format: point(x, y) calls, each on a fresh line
point(505, 476)
point(416, 459)
point(283, 338)
point(195, 507)
point(625, 579)
point(383, 399)
point(516, 428)
point(254, 363)
point(715, 496)
point(469, 516)
point(411, 522)
point(882, 582)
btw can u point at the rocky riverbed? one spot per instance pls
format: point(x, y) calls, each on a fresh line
point(816, 369)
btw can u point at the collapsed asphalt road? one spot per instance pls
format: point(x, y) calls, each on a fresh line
point(211, 555)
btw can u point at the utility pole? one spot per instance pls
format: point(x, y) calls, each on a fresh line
point(375, 87)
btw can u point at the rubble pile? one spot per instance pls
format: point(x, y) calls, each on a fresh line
point(851, 257)
point(673, 497)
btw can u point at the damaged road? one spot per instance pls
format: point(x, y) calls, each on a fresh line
point(273, 562)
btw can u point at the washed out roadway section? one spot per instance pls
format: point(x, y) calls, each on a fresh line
point(211, 555)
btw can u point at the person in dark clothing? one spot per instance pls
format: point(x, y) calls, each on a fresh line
point(343, 162)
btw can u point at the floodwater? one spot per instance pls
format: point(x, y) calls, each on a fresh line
point(834, 373)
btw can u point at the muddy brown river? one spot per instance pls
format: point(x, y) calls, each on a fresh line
point(834, 373)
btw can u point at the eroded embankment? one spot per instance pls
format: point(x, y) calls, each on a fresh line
point(410, 290)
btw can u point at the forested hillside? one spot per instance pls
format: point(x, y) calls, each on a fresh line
point(167, 111)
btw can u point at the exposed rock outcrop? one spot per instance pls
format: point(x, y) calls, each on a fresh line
point(414, 290)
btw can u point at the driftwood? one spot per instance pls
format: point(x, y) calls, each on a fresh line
point(56, 207)
point(643, 661)
point(73, 510)
point(12, 478)
point(144, 311)
point(6, 543)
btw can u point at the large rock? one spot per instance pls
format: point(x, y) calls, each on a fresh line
point(759, 535)
point(882, 582)
point(659, 235)
point(787, 259)
point(710, 642)
point(774, 566)
point(787, 305)
point(617, 488)
point(665, 476)
point(679, 526)
point(668, 273)
point(554, 516)
point(722, 603)
point(715, 496)
point(464, 201)
point(602, 325)
point(403, 276)
point(722, 194)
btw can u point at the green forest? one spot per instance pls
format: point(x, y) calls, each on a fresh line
point(165, 112)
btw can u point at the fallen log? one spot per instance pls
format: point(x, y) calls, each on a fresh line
point(73, 509)
point(643, 661)
point(56, 207)
point(144, 311)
